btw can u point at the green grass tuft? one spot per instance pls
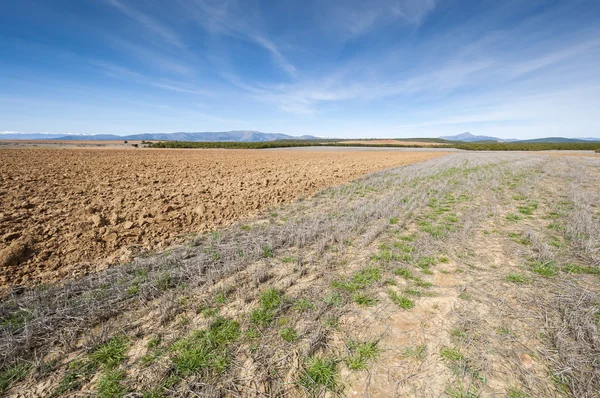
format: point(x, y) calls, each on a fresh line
point(517, 278)
point(304, 304)
point(580, 269)
point(401, 301)
point(319, 373)
point(288, 334)
point(403, 272)
point(515, 393)
point(451, 354)
point(111, 385)
point(78, 372)
point(334, 299)
point(546, 269)
point(111, 353)
point(262, 317)
point(13, 374)
point(206, 349)
point(360, 354)
point(360, 280)
point(514, 217)
point(418, 352)
point(270, 299)
point(363, 299)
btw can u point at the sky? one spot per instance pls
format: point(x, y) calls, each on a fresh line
point(330, 68)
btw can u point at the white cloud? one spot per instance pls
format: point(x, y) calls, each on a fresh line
point(228, 17)
point(149, 23)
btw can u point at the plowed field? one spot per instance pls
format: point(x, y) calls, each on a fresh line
point(68, 212)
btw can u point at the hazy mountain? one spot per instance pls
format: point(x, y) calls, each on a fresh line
point(230, 136)
point(468, 137)
point(12, 135)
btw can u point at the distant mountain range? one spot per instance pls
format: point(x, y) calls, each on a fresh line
point(225, 136)
point(468, 137)
point(245, 136)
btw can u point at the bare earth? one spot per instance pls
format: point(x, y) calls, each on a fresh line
point(67, 212)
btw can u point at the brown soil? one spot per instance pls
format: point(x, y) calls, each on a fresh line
point(68, 212)
point(392, 142)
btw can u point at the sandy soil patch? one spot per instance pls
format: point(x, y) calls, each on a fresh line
point(66, 212)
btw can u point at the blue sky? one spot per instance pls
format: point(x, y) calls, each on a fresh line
point(343, 68)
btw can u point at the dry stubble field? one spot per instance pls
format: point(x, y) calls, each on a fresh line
point(66, 212)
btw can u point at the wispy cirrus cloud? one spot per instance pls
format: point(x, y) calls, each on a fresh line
point(230, 18)
point(123, 73)
point(148, 22)
point(353, 18)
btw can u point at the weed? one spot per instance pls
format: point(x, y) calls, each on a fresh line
point(451, 354)
point(460, 391)
point(393, 221)
point(386, 256)
point(504, 331)
point(363, 299)
point(262, 317)
point(458, 333)
point(270, 299)
point(465, 296)
point(407, 238)
point(547, 269)
point(78, 373)
point(304, 304)
point(267, 251)
point(517, 278)
point(436, 231)
point(209, 312)
point(519, 238)
point(13, 374)
point(401, 301)
point(221, 297)
point(111, 353)
point(514, 217)
point(332, 322)
point(110, 384)
point(390, 282)
point(206, 349)
point(289, 259)
point(421, 283)
point(403, 272)
point(528, 209)
point(252, 334)
point(334, 299)
point(156, 392)
point(418, 352)
point(319, 372)
point(360, 354)
point(164, 282)
point(16, 320)
point(579, 269)
point(360, 280)
point(515, 393)
point(288, 334)
point(134, 289)
point(426, 261)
